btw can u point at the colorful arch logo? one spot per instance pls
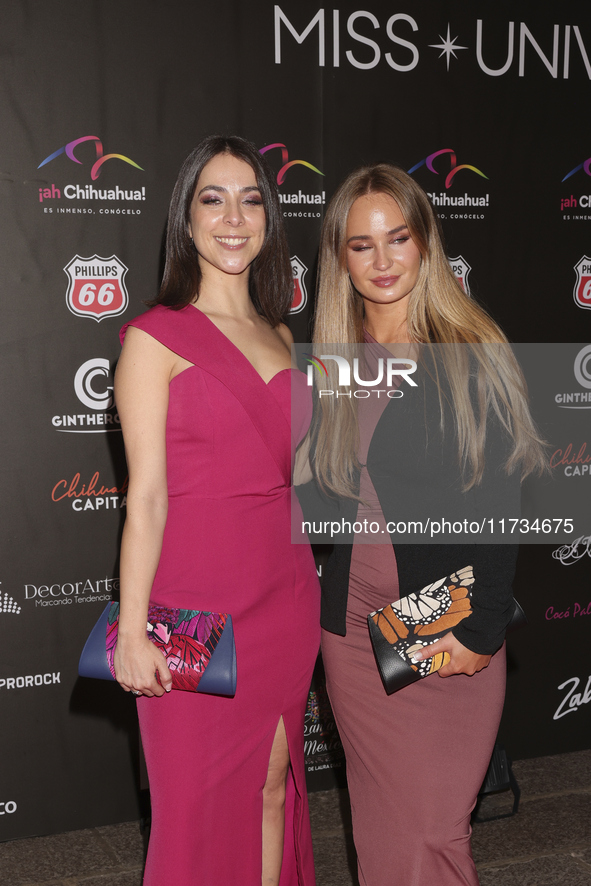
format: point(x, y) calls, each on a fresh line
point(101, 157)
point(287, 163)
point(585, 166)
point(428, 162)
point(314, 361)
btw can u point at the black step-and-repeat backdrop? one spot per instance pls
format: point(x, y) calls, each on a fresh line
point(485, 104)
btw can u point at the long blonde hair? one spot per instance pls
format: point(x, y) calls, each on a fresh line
point(439, 312)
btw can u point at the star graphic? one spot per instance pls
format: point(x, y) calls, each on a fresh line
point(447, 46)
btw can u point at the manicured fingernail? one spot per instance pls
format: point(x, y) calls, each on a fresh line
point(416, 657)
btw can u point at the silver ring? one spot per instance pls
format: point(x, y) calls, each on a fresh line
point(135, 692)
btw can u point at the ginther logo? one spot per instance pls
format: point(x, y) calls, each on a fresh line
point(84, 387)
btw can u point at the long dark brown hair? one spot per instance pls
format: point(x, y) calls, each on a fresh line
point(270, 281)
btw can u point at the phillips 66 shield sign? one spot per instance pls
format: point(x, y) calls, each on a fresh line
point(582, 292)
point(300, 296)
point(96, 288)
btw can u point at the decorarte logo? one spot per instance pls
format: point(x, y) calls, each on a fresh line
point(93, 386)
point(300, 293)
point(300, 198)
point(582, 290)
point(8, 605)
point(442, 199)
point(65, 592)
point(77, 192)
point(583, 201)
point(95, 287)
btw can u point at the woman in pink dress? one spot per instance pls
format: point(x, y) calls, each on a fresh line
point(415, 759)
point(204, 390)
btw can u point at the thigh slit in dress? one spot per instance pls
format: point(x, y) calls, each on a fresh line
point(227, 547)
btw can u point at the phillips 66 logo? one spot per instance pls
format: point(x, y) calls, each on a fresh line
point(96, 288)
point(300, 296)
point(582, 292)
point(461, 269)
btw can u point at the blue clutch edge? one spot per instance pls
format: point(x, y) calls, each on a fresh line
point(219, 677)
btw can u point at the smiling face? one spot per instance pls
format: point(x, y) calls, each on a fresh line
point(227, 217)
point(382, 258)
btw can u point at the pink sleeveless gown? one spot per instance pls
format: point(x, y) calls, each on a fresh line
point(227, 548)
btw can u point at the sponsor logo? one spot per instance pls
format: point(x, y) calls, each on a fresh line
point(300, 294)
point(552, 614)
point(574, 551)
point(90, 496)
point(582, 290)
point(574, 205)
point(63, 593)
point(582, 373)
point(454, 169)
point(8, 807)
point(586, 167)
point(96, 288)
point(322, 745)
point(286, 162)
point(464, 206)
point(101, 157)
point(30, 680)
point(461, 269)
point(390, 372)
point(74, 193)
point(8, 605)
point(300, 199)
point(93, 385)
point(572, 701)
point(574, 458)
point(364, 41)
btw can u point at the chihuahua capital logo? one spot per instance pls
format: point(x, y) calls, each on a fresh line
point(429, 163)
point(101, 157)
point(286, 162)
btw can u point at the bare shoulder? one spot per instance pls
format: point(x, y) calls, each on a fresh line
point(285, 334)
point(143, 353)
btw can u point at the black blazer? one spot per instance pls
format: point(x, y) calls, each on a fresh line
point(413, 465)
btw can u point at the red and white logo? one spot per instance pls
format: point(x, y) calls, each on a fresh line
point(461, 269)
point(582, 291)
point(300, 295)
point(96, 288)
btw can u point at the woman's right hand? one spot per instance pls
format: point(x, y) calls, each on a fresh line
point(141, 668)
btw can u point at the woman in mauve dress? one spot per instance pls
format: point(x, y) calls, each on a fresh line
point(415, 759)
point(211, 411)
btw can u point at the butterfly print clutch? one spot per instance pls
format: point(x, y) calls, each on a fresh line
point(402, 628)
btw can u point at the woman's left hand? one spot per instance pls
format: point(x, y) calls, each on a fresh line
point(462, 660)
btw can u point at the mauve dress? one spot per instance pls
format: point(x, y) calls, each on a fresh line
point(227, 547)
point(415, 759)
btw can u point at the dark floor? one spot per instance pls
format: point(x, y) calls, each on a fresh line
point(546, 844)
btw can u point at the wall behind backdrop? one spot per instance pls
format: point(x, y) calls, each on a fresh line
point(101, 103)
